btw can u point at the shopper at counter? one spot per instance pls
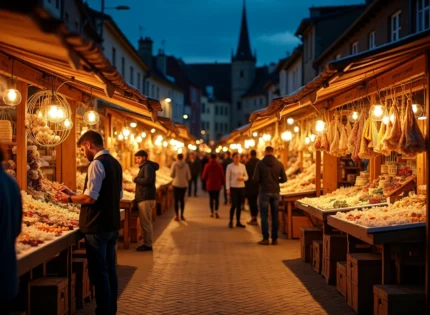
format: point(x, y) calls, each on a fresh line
point(145, 196)
point(251, 188)
point(99, 218)
point(213, 174)
point(195, 168)
point(236, 176)
point(10, 227)
point(225, 162)
point(181, 176)
point(269, 172)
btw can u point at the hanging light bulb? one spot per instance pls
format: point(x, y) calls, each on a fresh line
point(417, 109)
point(353, 116)
point(152, 130)
point(290, 121)
point(377, 112)
point(120, 137)
point(139, 139)
point(133, 124)
point(67, 124)
point(126, 132)
point(12, 96)
point(267, 137)
point(143, 134)
point(91, 117)
point(160, 138)
point(286, 136)
point(132, 136)
point(385, 120)
point(296, 129)
point(165, 143)
point(307, 140)
point(53, 110)
point(312, 137)
point(255, 134)
point(320, 126)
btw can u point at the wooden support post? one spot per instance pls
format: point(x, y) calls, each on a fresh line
point(375, 167)
point(68, 155)
point(301, 161)
point(427, 106)
point(21, 137)
point(330, 171)
point(318, 173)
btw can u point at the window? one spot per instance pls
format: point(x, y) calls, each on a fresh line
point(123, 66)
point(208, 125)
point(138, 80)
point(114, 56)
point(153, 90)
point(372, 43)
point(239, 105)
point(203, 108)
point(203, 125)
point(354, 48)
point(395, 26)
point(131, 75)
point(221, 110)
point(261, 101)
point(158, 93)
point(241, 73)
point(216, 110)
point(147, 87)
point(216, 127)
point(225, 126)
point(423, 15)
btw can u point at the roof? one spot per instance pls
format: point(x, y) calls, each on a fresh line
point(281, 63)
point(272, 79)
point(158, 75)
point(322, 13)
point(243, 52)
point(217, 75)
point(42, 44)
point(349, 75)
point(297, 52)
point(257, 87)
point(368, 14)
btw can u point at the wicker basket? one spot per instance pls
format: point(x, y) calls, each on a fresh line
point(5, 131)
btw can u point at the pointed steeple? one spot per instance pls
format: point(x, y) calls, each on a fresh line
point(243, 52)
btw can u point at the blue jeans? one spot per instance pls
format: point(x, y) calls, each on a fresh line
point(271, 199)
point(100, 249)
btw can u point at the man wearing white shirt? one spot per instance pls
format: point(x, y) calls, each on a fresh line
point(99, 218)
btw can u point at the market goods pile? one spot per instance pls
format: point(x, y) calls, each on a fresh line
point(162, 178)
point(405, 211)
point(43, 221)
point(304, 181)
point(42, 132)
point(398, 132)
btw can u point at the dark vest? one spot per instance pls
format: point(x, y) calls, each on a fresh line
point(104, 214)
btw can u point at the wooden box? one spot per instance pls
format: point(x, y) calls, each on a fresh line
point(311, 253)
point(317, 255)
point(329, 270)
point(48, 296)
point(80, 267)
point(282, 222)
point(307, 236)
point(364, 268)
point(398, 300)
point(334, 247)
point(79, 253)
point(341, 277)
point(299, 222)
point(73, 294)
point(359, 298)
point(135, 228)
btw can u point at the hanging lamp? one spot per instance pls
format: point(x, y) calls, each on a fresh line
point(91, 117)
point(12, 96)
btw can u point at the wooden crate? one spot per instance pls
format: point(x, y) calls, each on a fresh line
point(329, 270)
point(398, 300)
point(334, 247)
point(359, 298)
point(298, 223)
point(307, 236)
point(317, 256)
point(341, 277)
point(311, 253)
point(282, 222)
point(83, 291)
point(135, 228)
point(48, 295)
point(364, 268)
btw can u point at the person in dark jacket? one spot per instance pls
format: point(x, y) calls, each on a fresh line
point(203, 161)
point(225, 162)
point(195, 169)
point(251, 187)
point(10, 227)
point(99, 218)
point(145, 196)
point(213, 174)
point(269, 172)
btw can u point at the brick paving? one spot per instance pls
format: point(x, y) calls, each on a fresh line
point(202, 267)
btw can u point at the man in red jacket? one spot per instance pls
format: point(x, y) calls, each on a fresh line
point(213, 174)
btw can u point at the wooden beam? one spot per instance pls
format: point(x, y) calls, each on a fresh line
point(318, 173)
point(68, 155)
point(330, 171)
point(21, 137)
point(427, 267)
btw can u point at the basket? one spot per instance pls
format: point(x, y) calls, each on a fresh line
point(5, 131)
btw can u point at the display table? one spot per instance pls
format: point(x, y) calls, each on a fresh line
point(289, 199)
point(384, 236)
point(127, 205)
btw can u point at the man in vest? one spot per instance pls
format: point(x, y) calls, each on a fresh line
point(99, 219)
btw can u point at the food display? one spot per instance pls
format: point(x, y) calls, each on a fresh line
point(408, 210)
point(304, 181)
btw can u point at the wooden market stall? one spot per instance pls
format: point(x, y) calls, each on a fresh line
point(387, 244)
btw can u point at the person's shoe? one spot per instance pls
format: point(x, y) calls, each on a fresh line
point(212, 215)
point(144, 248)
point(240, 225)
point(264, 242)
point(252, 222)
point(216, 215)
point(274, 242)
point(230, 225)
point(182, 218)
point(176, 218)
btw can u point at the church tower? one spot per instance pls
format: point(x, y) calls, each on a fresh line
point(242, 72)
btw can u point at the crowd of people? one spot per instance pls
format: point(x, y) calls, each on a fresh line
point(240, 176)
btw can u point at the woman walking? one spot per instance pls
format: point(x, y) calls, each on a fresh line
point(236, 176)
point(181, 176)
point(213, 174)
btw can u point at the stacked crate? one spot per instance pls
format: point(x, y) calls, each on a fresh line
point(398, 300)
point(307, 236)
point(341, 277)
point(80, 267)
point(334, 250)
point(317, 248)
point(49, 295)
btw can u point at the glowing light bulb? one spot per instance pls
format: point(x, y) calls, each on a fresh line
point(139, 139)
point(126, 132)
point(67, 124)
point(143, 134)
point(56, 113)
point(165, 144)
point(417, 109)
point(160, 138)
point(133, 124)
point(377, 112)
point(153, 130)
point(307, 140)
point(168, 100)
point(185, 116)
point(12, 96)
point(296, 129)
point(312, 137)
point(385, 120)
point(354, 117)
point(319, 126)
point(290, 121)
point(255, 134)
point(225, 149)
point(91, 117)
point(287, 136)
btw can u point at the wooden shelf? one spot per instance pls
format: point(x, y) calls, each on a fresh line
point(7, 143)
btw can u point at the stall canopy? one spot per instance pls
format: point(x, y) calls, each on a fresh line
point(349, 79)
point(45, 53)
point(184, 132)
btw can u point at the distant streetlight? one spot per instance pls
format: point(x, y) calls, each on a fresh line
point(118, 8)
point(168, 100)
point(185, 116)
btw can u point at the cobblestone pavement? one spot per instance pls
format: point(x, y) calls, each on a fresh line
point(202, 267)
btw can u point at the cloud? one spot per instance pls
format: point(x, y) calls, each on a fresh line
point(202, 59)
point(280, 38)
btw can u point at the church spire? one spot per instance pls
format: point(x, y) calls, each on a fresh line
point(243, 52)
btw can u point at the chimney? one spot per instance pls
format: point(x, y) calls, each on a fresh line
point(145, 50)
point(161, 61)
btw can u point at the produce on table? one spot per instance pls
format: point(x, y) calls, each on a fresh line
point(304, 181)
